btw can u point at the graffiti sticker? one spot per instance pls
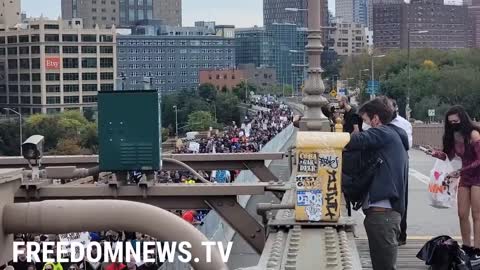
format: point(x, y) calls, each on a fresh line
point(328, 161)
point(308, 162)
point(306, 181)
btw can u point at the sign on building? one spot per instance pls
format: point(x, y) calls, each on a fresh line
point(52, 63)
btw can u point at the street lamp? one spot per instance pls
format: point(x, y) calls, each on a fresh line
point(314, 119)
point(176, 120)
point(372, 96)
point(360, 76)
point(407, 109)
point(20, 123)
point(246, 88)
point(214, 107)
point(298, 65)
point(304, 75)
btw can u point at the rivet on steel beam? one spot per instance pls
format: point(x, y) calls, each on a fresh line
point(291, 255)
point(252, 236)
point(293, 249)
point(258, 230)
point(291, 261)
point(272, 264)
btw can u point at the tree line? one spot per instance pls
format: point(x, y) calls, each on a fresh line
point(74, 133)
point(438, 79)
point(66, 133)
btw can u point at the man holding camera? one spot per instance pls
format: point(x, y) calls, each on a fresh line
point(384, 192)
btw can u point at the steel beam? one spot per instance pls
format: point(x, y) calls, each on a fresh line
point(241, 221)
point(226, 157)
point(261, 171)
point(88, 191)
point(208, 162)
point(232, 161)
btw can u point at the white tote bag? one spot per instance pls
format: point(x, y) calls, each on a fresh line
point(442, 191)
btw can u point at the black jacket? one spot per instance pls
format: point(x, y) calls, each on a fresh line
point(390, 143)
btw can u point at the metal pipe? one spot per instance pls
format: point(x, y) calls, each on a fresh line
point(77, 173)
point(63, 216)
point(190, 169)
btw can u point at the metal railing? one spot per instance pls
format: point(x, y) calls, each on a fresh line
point(428, 134)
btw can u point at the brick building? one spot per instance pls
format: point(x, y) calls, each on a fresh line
point(431, 23)
point(229, 78)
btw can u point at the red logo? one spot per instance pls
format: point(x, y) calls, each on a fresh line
point(52, 63)
point(437, 175)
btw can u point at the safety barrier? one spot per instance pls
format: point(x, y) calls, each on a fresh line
point(214, 227)
point(428, 134)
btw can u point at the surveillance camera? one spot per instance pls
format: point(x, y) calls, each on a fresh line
point(32, 148)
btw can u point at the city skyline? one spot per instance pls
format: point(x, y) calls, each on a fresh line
point(246, 13)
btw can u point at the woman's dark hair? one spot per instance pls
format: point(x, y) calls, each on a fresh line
point(466, 128)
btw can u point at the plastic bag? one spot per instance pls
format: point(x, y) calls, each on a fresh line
point(442, 190)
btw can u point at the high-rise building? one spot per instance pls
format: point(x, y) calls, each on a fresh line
point(352, 11)
point(474, 17)
point(9, 12)
point(169, 12)
point(275, 11)
point(172, 57)
point(123, 13)
point(47, 66)
point(430, 24)
point(278, 45)
point(253, 46)
point(350, 38)
point(288, 52)
point(103, 13)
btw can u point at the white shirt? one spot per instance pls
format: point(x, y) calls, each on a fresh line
point(401, 123)
point(405, 125)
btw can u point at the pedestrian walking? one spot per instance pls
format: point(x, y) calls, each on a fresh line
point(462, 139)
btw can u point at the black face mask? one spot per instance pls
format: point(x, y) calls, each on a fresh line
point(456, 126)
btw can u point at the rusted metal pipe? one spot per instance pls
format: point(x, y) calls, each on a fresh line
point(63, 216)
point(190, 169)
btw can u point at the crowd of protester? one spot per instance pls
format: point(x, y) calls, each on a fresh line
point(24, 263)
point(252, 135)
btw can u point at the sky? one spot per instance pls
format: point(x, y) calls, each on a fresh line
point(241, 13)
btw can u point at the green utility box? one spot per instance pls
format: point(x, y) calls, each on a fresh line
point(129, 130)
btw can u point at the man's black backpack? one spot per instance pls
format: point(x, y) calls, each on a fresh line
point(357, 174)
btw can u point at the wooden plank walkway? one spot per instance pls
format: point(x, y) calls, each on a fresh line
point(407, 255)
